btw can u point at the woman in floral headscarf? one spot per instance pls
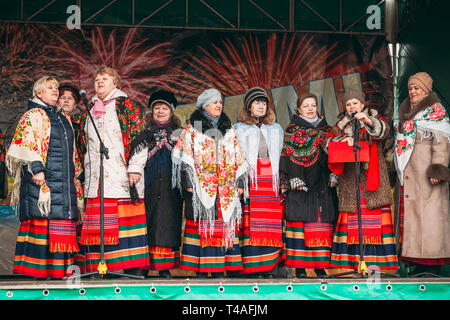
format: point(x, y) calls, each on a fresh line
point(42, 157)
point(208, 161)
point(422, 157)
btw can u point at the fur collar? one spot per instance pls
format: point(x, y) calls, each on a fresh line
point(223, 125)
point(176, 123)
point(405, 112)
point(146, 137)
point(245, 117)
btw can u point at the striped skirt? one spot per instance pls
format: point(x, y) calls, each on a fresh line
point(132, 250)
point(256, 258)
point(299, 253)
point(380, 252)
point(261, 235)
point(164, 258)
point(33, 257)
point(196, 258)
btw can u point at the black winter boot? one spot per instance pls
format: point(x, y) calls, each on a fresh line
point(300, 273)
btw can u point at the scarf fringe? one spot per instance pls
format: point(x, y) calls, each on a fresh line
point(318, 242)
point(160, 250)
point(252, 173)
point(264, 242)
point(64, 247)
point(15, 168)
point(427, 133)
point(201, 213)
point(45, 205)
point(213, 242)
point(367, 240)
point(95, 240)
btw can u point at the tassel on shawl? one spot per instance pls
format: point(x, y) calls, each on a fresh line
point(15, 167)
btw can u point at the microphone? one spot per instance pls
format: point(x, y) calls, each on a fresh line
point(353, 113)
point(85, 99)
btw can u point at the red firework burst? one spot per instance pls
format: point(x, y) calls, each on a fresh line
point(232, 70)
point(22, 55)
point(135, 61)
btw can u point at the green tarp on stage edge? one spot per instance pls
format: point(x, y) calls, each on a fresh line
point(358, 290)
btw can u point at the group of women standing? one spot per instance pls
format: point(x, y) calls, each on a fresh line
point(252, 195)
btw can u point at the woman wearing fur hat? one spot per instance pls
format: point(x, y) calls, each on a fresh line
point(375, 194)
point(421, 158)
point(207, 162)
point(310, 204)
point(262, 139)
point(163, 205)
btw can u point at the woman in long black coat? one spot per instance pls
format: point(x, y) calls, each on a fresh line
point(163, 205)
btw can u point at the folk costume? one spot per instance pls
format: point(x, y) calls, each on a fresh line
point(163, 204)
point(375, 198)
point(209, 159)
point(310, 213)
point(118, 120)
point(44, 142)
point(422, 152)
point(261, 230)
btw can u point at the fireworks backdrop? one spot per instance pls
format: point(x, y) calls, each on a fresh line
point(187, 62)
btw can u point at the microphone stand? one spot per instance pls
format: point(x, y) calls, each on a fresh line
point(362, 267)
point(102, 269)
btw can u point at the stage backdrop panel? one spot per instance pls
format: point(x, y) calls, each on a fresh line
point(189, 61)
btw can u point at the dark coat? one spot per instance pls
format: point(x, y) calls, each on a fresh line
point(59, 173)
point(305, 205)
point(163, 205)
